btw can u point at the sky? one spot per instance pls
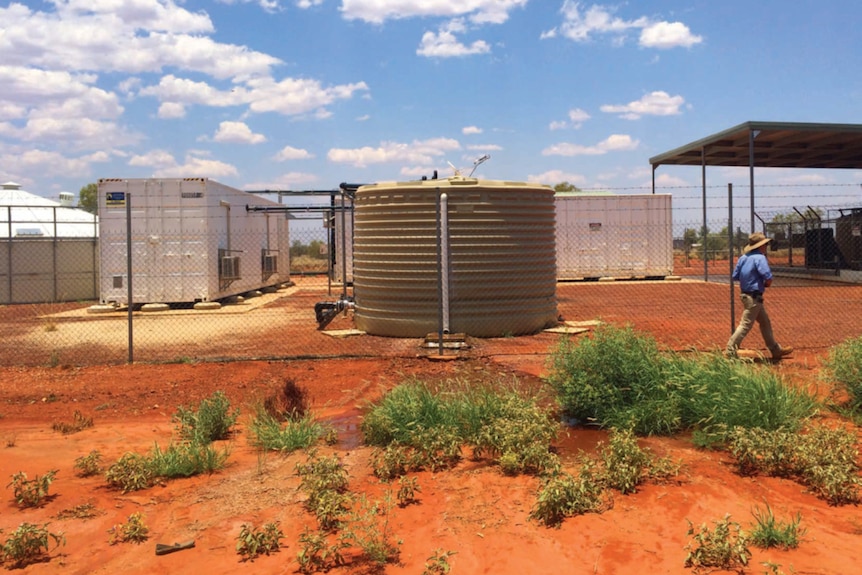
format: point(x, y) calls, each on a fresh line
point(306, 94)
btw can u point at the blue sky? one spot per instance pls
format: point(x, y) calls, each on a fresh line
point(305, 94)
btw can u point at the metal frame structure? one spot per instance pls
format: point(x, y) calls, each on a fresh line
point(769, 145)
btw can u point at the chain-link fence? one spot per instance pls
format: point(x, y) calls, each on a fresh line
point(185, 282)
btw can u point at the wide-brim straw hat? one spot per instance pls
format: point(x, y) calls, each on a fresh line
point(755, 240)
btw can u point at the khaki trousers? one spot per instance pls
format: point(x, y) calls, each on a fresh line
point(754, 311)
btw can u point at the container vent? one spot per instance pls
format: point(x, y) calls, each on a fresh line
point(269, 264)
point(229, 268)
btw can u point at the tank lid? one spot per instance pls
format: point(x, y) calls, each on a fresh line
point(455, 182)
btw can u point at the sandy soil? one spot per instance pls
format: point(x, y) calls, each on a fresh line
point(472, 510)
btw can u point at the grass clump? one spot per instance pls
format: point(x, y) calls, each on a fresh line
point(724, 547)
point(844, 362)
point(31, 492)
point(28, 544)
point(564, 495)
point(211, 421)
point(619, 378)
point(768, 531)
point(271, 433)
point(186, 459)
point(253, 542)
point(420, 426)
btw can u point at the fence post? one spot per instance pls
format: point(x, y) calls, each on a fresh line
point(129, 271)
point(730, 253)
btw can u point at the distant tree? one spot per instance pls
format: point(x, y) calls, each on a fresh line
point(689, 237)
point(566, 187)
point(780, 224)
point(88, 199)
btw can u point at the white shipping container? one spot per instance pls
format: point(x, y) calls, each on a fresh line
point(192, 241)
point(614, 236)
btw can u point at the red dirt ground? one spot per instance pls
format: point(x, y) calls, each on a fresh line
point(472, 510)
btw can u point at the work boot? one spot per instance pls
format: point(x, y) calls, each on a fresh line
point(782, 352)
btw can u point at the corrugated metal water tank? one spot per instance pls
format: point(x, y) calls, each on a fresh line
point(501, 266)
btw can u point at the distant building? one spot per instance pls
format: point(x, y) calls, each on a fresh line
point(26, 215)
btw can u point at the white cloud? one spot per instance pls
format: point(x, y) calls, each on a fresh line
point(577, 117)
point(171, 110)
point(653, 104)
point(165, 165)
point(237, 133)
point(46, 163)
point(485, 148)
point(478, 11)
point(154, 159)
point(291, 153)
point(363, 118)
point(270, 6)
point(582, 25)
point(417, 152)
point(668, 35)
point(293, 96)
point(613, 143)
point(308, 3)
point(288, 181)
point(444, 44)
point(554, 177)
point(468, 130)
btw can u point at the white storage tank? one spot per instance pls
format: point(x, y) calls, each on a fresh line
point(500, 270)
point(192, 241)
point(613, 236)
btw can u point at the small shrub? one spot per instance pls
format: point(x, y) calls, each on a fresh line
point(31, 492)
point(390, 462)
point(845, 363)
point(408, 487)
point(272, 434)
point(187, 459)
point(82, 511)
point(79, 423)
point(438, 563)
point(90, 464)
point(252, 542)
point(823, 459)
point(290, 402)
point(725, 547)
point(132, 531)
point(369, 529)
point(29, 543)
point(212, 420)
point(769, 532)
point(324, 480)
point(131, 472)
point(625, 463)
point(564, 495)
point(317, 554)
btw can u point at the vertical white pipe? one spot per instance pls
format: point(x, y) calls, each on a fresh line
point(444, 257)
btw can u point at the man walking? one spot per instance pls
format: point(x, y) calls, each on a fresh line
point(754, 276)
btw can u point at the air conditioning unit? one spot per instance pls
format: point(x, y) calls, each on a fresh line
point(229, 268)
point(269, 263)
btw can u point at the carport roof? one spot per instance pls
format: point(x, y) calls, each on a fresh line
point(773, 145)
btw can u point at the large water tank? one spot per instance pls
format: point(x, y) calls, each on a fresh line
point(501, 265)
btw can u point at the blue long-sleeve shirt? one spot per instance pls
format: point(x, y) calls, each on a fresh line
point(752, 271)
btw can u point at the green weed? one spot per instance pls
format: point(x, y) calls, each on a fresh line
point(253, 542)
point(724, 547)
point(132, 531)
point(769, 532)
point(90, 464)
point(79, 423)
point(31, 492)
point(210, 422)
point(317, 554)
point(438, 563)
point(273, 434)
point(131, 472)
point(28, 544)
point(844, 362)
